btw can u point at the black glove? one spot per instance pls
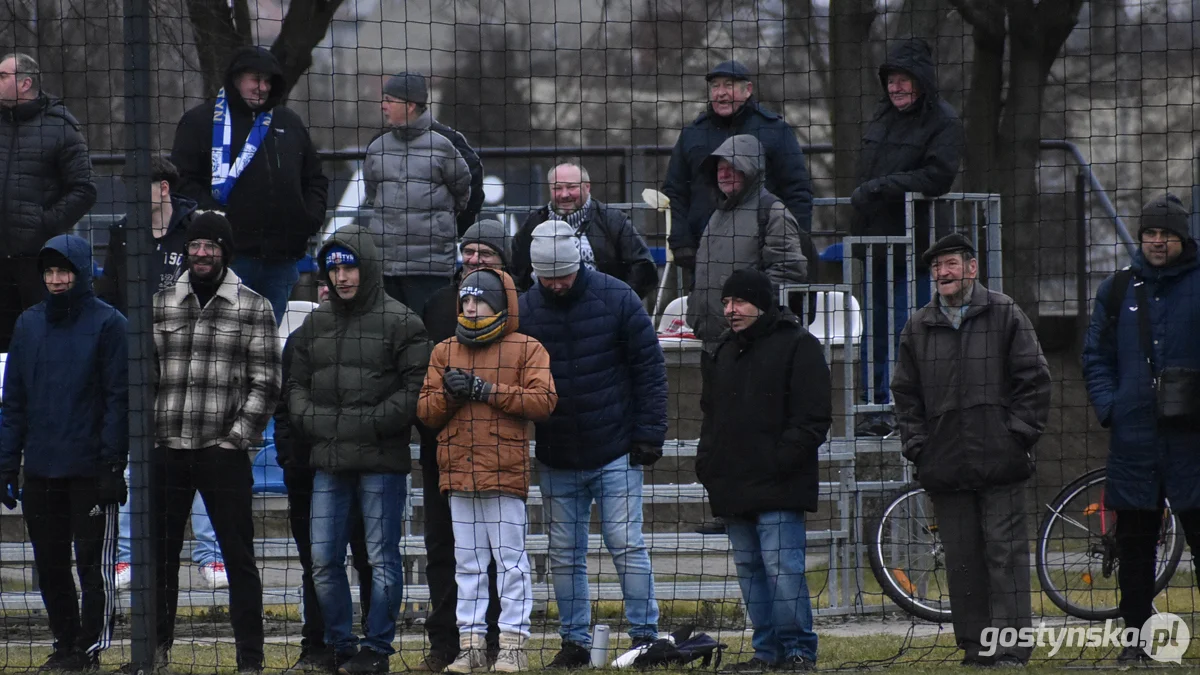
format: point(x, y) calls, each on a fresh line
point(456, 384)
point(110, 486)
point(685, 258)
point(11, 488)
point(644, 454)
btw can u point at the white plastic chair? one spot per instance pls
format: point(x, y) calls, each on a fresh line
point(830, 322)
point(293, 318)
point(674, 318)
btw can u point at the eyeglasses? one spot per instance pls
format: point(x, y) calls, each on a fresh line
point(200, 245)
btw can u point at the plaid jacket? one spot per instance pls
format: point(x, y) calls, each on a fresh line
point(217, 369)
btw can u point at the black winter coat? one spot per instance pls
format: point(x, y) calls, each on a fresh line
point(693, 202)
point(971, 402)
point(279, 200)
point(620, 249)
point(47, 182)
point(915, 150)
point(165, 267)
point(768, 404)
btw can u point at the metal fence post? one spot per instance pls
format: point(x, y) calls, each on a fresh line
point(141, 348)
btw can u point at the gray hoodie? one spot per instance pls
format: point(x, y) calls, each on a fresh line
point(731, 240)
point(416, 180)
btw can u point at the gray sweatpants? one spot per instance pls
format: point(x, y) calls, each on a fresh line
point(986, 541)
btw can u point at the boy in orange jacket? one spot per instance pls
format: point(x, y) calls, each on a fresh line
point(484, 387)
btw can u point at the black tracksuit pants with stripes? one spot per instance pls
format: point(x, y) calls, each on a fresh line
point(61, 513)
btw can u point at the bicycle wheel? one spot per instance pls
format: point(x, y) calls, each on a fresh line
point(907, 558)
point(1077, 555)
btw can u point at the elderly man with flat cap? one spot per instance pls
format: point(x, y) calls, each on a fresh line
point(418, 184)
point(732, 110)
point(972, 392)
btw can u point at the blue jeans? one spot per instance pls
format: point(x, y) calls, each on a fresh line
point(206, 550)
point(568, 496)
point(381, 496)
point(881, 368)
point(272, 279)
point(769, 556)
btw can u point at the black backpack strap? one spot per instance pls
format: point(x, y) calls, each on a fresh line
point(1116, 295)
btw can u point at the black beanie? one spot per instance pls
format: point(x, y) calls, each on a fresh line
point(1166, 212)
point(752, 286)
point(213, 226)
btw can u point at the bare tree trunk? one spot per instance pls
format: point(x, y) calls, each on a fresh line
point(218, 35)
point(850, 31)
point(304, 27)
point(918, 18)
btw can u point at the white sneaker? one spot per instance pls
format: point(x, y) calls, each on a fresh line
point(124, 575)
point(472, 657)
point(512, 657)
point(214, 575)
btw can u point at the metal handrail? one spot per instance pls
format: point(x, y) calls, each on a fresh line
point(1105, 203)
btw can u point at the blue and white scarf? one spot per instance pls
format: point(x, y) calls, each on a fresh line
point(225, 175)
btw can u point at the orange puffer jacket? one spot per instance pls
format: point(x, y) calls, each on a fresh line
point(485, 446)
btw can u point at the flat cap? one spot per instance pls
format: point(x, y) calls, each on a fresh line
point(731, 69)
point(950, 243)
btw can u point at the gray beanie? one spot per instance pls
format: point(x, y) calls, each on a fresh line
point(408, 87)
point(486, 286)
point(490, 233)
point(554, 251)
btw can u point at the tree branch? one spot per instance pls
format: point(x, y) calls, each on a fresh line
point(304, 27)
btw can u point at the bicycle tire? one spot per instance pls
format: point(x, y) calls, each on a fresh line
point(1044, 569)
point(900, 591)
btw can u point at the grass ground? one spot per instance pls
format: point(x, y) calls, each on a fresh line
point(904, 653)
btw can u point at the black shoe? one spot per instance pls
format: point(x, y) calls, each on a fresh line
point(797, 664)
point(1008, 661)
point(754, 665)
point(314, 660)
point(876, 425)
point(1133, 656)
point(571, 656)
point(642, 642)
point(976, 661)
point(436, 662)
point(71, 662)
point(365, 662)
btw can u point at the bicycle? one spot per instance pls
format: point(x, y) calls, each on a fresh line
point(1076, 553)
point(1077, 550)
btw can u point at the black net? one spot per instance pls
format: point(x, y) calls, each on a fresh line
point(520, 335)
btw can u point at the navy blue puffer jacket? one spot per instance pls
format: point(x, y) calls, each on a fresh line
point(608, 369)
point(1145, 462)
point(66, 393)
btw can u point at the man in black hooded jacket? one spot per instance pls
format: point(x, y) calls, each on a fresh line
point(913, 144)
point(276, 200)
point(46, 186)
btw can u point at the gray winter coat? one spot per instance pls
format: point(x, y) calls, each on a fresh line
point(416, 181)
point(971, 402)
point(732, 239)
